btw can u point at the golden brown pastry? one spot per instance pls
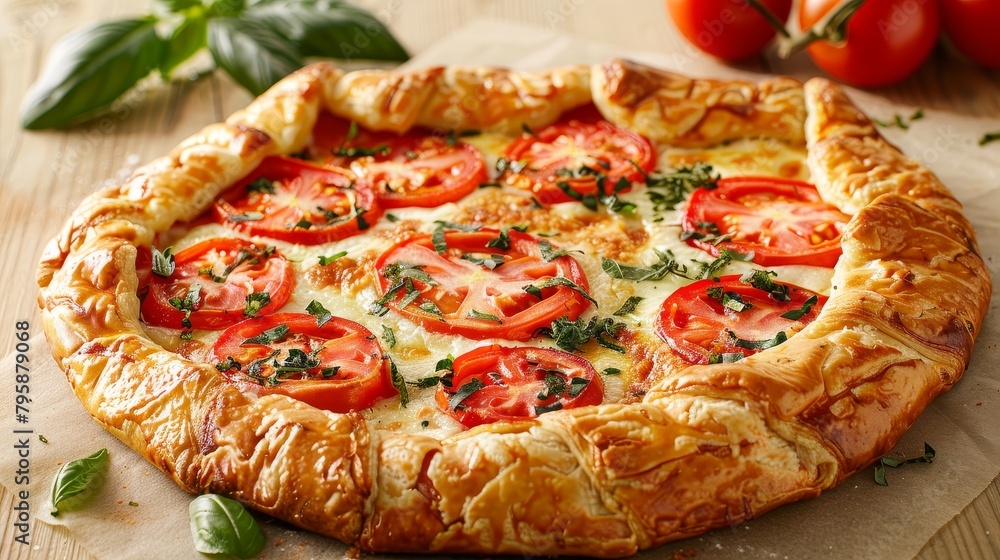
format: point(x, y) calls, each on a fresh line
point(707, 446)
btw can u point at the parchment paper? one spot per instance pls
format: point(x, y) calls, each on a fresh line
point(856, 520)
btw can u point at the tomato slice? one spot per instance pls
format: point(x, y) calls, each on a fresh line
point(710, 321)
point(217, 283)
point(782, 221)
point(586, 158)
point(411, 169)
point(336, 366)
point(494, 383)
point(478, 291)
point(288, 199)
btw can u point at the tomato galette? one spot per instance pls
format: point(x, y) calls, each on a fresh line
point(581, 311)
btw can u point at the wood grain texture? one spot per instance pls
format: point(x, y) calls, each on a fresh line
point(44, 175)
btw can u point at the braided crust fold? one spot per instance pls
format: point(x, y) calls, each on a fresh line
point(706, 447)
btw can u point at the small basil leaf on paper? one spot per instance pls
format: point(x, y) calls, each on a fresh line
point(187, 37)
point(251, 53)
point(220, 525)
point(74, 478)
point(90, 68)
point(329, 29)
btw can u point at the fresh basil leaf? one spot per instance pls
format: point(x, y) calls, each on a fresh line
point(779, 338)
point(761, 279)
point(570, 335)
point(655, 272)
point(628, 307)
point(328, 29)
point(220, 525)
point(611, 371)
point(667, 190)
point(88, 69)
point(797, 314)
point(321, 313)
point(261, 185)
point(550, 253)
point(163, 263)
point(269, 336)
point(989, 137)
point(535, 289)
point(251, 53)
point(189, 36)
point(474, 314)
point(75, 477)
point(887, 461)
point(438, 239)
point(464, 392)
point(539, 410)
point(577, 385)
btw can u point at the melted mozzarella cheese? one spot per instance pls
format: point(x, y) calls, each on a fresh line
point(348, 289)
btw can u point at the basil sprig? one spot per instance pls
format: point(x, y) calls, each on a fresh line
point(223, 526)
point(74, 478)
point(256, 43)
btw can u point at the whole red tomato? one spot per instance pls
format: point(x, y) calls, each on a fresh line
point(886, 40)
point(971, 25)
point(728, 29)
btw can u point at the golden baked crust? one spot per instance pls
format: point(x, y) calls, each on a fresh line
point(707, 446)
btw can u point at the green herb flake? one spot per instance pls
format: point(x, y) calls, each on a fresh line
point(667, 190)
point(74, 478)
point(571, 335)
point(187, 335)
point(555, 281)
point(465, 391)
point(228, 364)
point(540, 410)
point(762, 280)
point(611, 371)
point(891, 462)
point(989, 137)
point(628, 307)
point(42, 438)
point(438, 239)
point(797, 314)
point(502, 241)
point(269, 336)
point(779, 338)
point(399, 383)
point(388, 336)
point(577, 385)
point(163, 263)
point(655, 272)
point(475, 314)
point(255, 302)
point(323, 261)
point(133, 503)
point(260, 185)
point(321, 313)
point(187, 304)
point(549, 253)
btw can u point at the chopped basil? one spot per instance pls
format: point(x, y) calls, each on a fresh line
point(729, 300)
point(392, 218)
point(527, 130)
point(555, 384)
point(352, 133)
point(399, 383)
point(445, 364)
point(502, 241)
point(536, 289)
point(322, 314)
point(758, 344)
point(260, 185)
point(503, 164)
point(710, 270)
point(725, 357)
point(255, 302)
point(887, 461)
point(438, 239)
point(628, 307)
point(359, 216)
point(490, 262)
point(656, 272)
point(899, 121)
point(388, 336)
point(187, 335)
point(430, 307)
point(474, 314)
point(187, 304)
point(549, 253)
point(761, 279)
point(539, 410)
point(667, 190)
point(570, 335)
point(708, 232)
point(399, 271)
point(323, 261)
point(329, 372)
point(611, 371)
point(245, 217)
point(228, 364)
point(588, 200)
point(241, 257)
point(989, 137)
point(426, 382)
point(797, 314)
point(464, 392)
point(163, 263)
point(297, 361)
point(269, 336)
point(577, 385)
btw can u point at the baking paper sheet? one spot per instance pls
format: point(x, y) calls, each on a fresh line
point(856, 520)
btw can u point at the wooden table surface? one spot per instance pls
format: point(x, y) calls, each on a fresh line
point(44, 175)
